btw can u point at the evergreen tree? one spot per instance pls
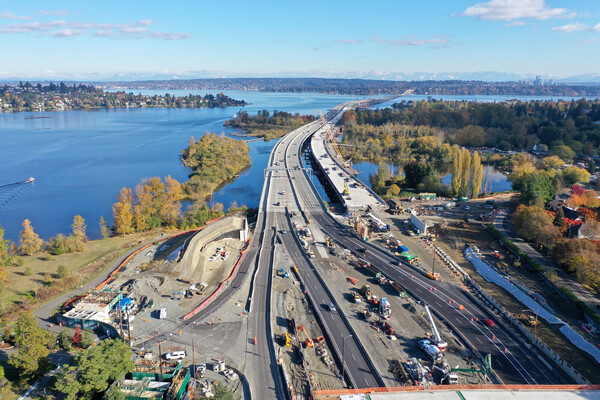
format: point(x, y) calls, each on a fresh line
point(32, 342)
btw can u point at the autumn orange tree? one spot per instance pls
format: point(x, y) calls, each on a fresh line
point(155, 203)
point(123, 212)
point(30, 242)
point(78, 238)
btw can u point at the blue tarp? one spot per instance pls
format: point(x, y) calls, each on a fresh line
point(124, 303)
point(402, 249)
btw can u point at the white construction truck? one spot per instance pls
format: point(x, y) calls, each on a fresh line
point(438, 341)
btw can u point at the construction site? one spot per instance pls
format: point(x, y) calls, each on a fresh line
point(451, 229)
point(167, 280)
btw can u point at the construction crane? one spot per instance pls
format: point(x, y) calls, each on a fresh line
point(439, 342)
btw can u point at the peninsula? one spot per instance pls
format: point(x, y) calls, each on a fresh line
point(62, 97)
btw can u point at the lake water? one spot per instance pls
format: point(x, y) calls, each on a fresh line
point(81, 159)
point(499, 181)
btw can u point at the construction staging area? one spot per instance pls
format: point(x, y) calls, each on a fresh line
point(167, 280)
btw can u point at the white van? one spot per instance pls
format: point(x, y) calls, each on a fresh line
point(176, 355)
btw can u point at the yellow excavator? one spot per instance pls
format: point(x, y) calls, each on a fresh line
point(346, 190)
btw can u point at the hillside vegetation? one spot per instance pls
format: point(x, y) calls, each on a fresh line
point(267, 125)
point(214, 160)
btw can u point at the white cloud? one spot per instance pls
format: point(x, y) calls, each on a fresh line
point(9, 15)
point(63, 28)
point(515, 23)
point(574, 27)
point(348, 41)
point(56, 12)
point(509, 10)
point(170, 35)
point(436, 41)
point(591, 40)
point(68, 32)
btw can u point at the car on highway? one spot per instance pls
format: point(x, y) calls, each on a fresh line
point(283, 231)
point(488, 322)
point(331, 306)
point(361, 250)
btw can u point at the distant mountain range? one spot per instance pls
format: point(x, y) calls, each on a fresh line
point(441, 85)
point(486, 76)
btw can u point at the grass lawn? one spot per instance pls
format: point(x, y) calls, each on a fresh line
point(24, 282)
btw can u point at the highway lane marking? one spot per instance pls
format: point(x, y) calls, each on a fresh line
point(516, 364)
point(479, 340)
point(418, 282)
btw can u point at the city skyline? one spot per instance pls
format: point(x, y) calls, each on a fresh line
point(497, 39)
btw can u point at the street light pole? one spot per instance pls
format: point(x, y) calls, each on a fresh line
point(344, 354)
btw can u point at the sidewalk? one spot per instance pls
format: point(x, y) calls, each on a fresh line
point(504, 225)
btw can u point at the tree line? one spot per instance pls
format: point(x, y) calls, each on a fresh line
point(152, 204)
point(507, 125)
point(27, 97)
point(365, 86)
point(269, 126)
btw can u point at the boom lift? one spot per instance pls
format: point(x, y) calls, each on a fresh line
point(439, 342)
point(308, 342)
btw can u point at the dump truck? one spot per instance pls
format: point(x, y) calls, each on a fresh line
point(382, 280)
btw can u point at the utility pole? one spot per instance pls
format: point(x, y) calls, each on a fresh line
point(160, 360)
point(193, 360)
point(120, 318)
point(129, 329)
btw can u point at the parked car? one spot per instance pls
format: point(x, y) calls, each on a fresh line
point(176, 355)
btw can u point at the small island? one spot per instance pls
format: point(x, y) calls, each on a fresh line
point(269, 126)
point(62, 97)
point(214, 160)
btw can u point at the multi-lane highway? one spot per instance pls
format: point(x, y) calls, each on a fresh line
point(512, 361)
point(358, 368)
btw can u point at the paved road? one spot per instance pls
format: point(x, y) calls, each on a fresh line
point(513, 362)
point(503, 223)
point(358, 368)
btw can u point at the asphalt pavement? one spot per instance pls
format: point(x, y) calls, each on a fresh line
point(512, 361)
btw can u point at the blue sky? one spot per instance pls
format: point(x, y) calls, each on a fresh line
point(387, 39)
